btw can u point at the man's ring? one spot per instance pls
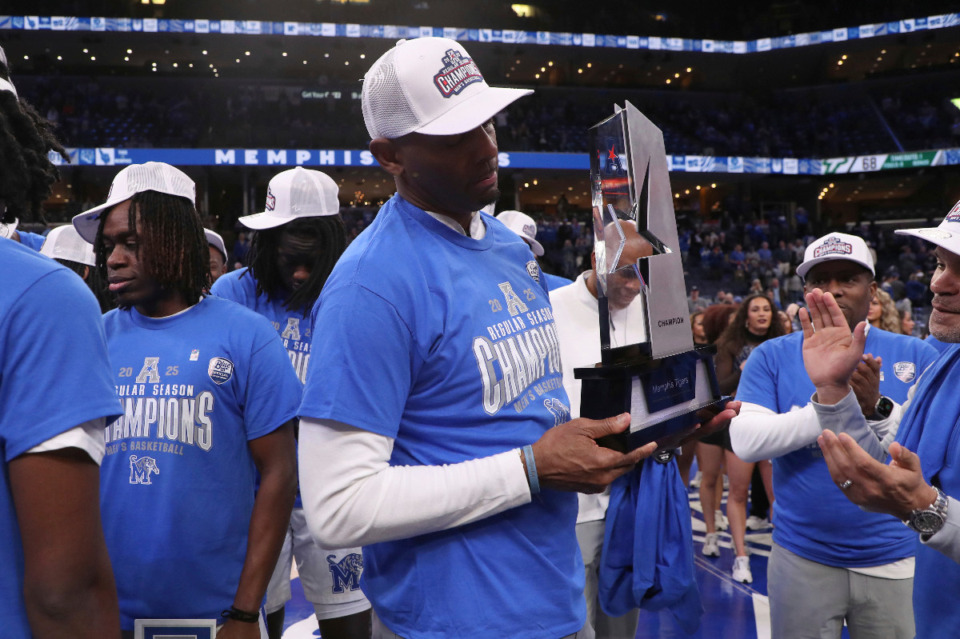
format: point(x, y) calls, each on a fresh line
point(846, 484)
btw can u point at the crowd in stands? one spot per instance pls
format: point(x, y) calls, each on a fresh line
point(728, 262)
point(92, 113)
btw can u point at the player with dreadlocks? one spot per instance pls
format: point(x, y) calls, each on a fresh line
point(298, 239)
point(57, 395)
point(191, 370)
point(25, 172)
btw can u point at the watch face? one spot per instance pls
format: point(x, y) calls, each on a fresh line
point(926, 522)
point(885, 407)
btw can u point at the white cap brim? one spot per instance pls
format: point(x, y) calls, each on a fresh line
point(535, 246)
point(804, 268)
point(88, 222)
point(469, 114)
point(270, 219)
point(936, 235)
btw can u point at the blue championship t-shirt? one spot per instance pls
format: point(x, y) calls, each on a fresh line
point(447, 345)
point(177, 484)
point(54, 375)
point(813, 519)
point(294, 329)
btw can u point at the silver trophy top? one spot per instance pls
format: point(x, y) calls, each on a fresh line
point(637, 250)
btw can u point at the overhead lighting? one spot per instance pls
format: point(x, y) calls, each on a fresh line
point(126, 58)
point(284, 54)
point(86, 50)
point(689, 69)
point(579, 70)
point(93, 58)
point(204, 52)
point(246, 53)
point(550, 63)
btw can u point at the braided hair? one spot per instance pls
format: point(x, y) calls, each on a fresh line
point(26, 172)
point(329, 230)
point(171, 244)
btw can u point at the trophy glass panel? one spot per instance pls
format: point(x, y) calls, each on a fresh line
point(622, 286)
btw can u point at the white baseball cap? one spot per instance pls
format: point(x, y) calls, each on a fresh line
point(6, 85)
point(524, 226)
point(946, 235)
point(430, 86)
point(133, 179)
point(64, 243)
point(214, 240)
point(295, 194)
point(836, 246)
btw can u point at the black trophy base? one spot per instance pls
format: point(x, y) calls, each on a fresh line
point(667, 398)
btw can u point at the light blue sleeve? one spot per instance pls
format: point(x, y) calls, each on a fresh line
point(363, 361)
point(54, 365)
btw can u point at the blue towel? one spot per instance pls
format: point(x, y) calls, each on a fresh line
point(647, 559)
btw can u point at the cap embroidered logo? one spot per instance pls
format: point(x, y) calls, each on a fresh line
point(833, 246)
point(457, 74)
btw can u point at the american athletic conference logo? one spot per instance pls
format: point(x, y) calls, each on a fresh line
point(833, 246)
point(457, 74)
point(271, 200)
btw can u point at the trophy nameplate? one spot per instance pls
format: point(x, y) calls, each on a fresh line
point(649, 365)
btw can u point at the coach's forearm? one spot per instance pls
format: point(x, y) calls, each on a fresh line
point(353, 497)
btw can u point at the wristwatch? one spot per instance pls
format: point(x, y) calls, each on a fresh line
point(883, 408)
point(929, 520)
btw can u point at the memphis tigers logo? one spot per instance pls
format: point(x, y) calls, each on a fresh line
point(346, 572)
point(457, 74)
point(833, 246)
point(559, 410)
point(271, 200)
point(141, 468)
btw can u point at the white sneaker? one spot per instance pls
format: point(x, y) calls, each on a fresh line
point(695, 482)
point(757, 523)
point(741, 570)
point(719, 521)
point(710, 546)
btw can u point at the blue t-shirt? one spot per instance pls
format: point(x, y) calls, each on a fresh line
point(54, 375)
point(177, 484)
point(447, 345)
point(294, 329)
point(31, 240)
point(812, 518)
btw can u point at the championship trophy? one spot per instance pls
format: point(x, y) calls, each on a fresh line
point(649, 366)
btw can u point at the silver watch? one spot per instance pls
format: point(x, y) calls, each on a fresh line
point(929, 520)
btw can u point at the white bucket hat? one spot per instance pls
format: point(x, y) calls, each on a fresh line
point(296, 194)
point(836, 246)
point(524, 226)
point(430, 86)
point(133, 179)
point(947, 235)
point(64, 243)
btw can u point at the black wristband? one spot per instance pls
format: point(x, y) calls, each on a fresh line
point(240, 615)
